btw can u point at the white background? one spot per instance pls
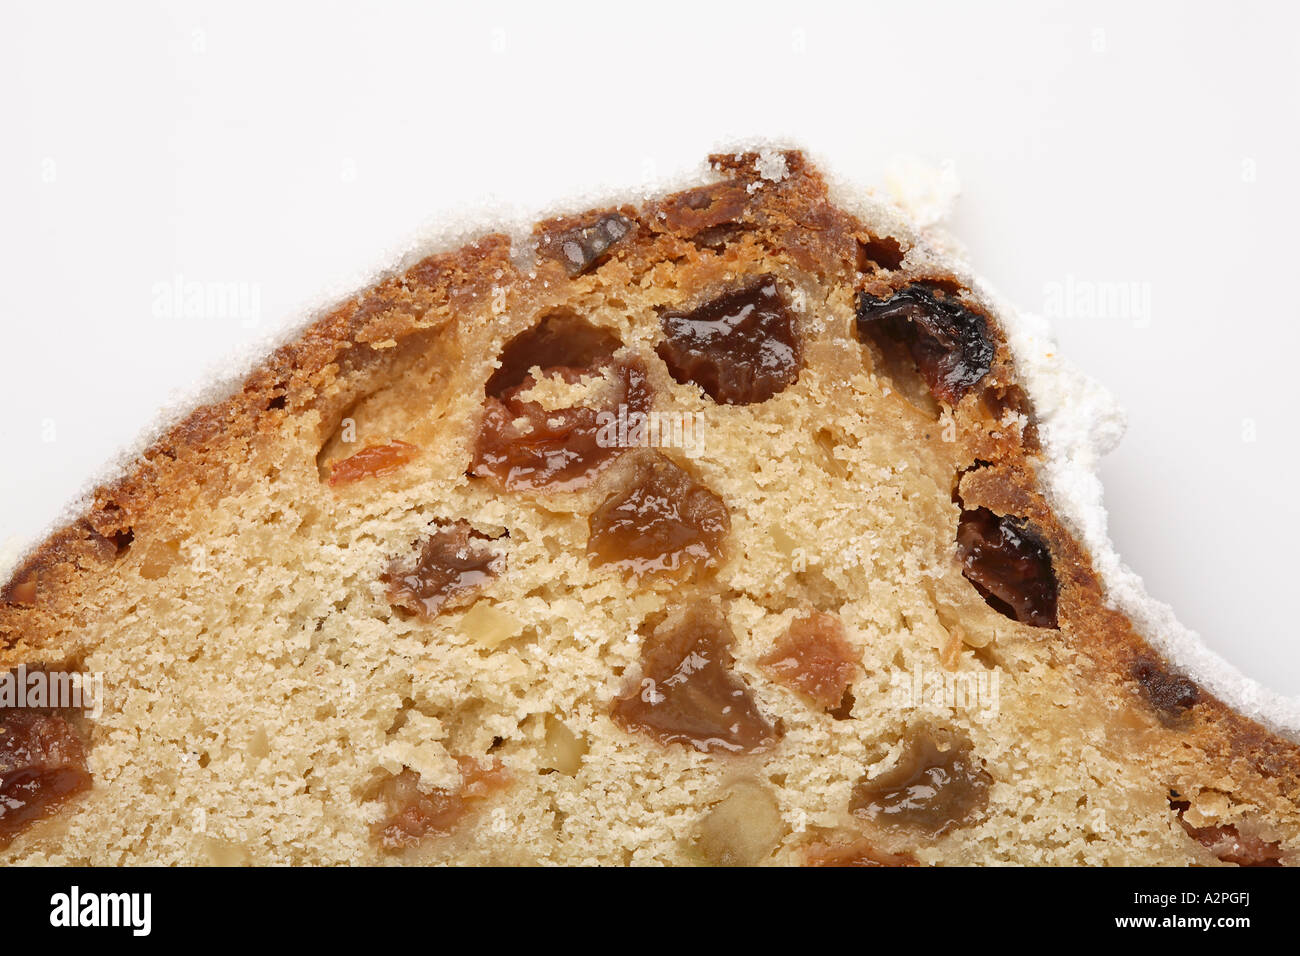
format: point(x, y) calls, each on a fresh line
point(287, 148)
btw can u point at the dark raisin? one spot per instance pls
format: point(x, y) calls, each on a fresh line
point(582, 247)
point(949, 342)
point(662, 521)
point(687, 694)
point(42, 765)
point(1010, 566)
point(560, 340)
point(936, 785)
point(452, 565)
point(524, 446)
point(741, 348)
point(1172, 695)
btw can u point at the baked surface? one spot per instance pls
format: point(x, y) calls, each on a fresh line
point(273, 693)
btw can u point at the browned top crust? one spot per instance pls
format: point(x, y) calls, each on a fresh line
point(191, 463)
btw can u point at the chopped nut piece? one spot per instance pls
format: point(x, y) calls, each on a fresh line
point(487, 625)
point(741, 829)
point(741, 348)
point(662, 522)
point(372, 461)
point(562, 750)
point(582, 247)
point(814, 659)
point(453, 563)
point(686, 693)
point(936, 785)
point(1010, 566)
point(414, 814)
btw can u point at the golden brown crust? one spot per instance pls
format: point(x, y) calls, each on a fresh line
point(792, 217)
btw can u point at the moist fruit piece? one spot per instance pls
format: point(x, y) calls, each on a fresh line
point(846, 624)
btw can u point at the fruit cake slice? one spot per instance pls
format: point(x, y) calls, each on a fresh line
point(718, 529)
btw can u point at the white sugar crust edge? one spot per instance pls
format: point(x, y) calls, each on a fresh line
point(1079, 420)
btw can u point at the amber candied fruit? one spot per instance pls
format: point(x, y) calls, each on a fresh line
point(524, 446)
point(814, 659)
point(663, 521)
point(1229, 844)
point(372, 462)
point(742, 347)
point(936, 785)
point(42, 765)
point(950, 344)
point(855, 853)
point(686, 692)
point(451, 565)
point(1009, 564)
point(414, 814)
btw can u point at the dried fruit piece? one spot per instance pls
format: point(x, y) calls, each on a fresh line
point(524, 447)
point(686, 693)
point(1172, 695)
point(856, 853)
point(581, 247)
point(372, 462)
point(414, 814)
point(814, 659)
point(561, 340)
point(741, 348)
point(1010, 566)
point(453, 563)
point(662, 521)
point(1229, 844)
point(936, 785)
point(742, 828)
point(42, 765)
point(949, 342)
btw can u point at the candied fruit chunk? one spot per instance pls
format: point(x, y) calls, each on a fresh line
point(582, 247)
point(1229, 844)
point(814, 659)
point(741, 348)
point(413, 814)
point(1172, 695)
point(686, 693)
point(856, 853)
point(452, 564)
point(936, 785)
point(1010, 566)
point(742, 828)
point(523, 446)
point(372, 462)
point(663, 521)
point(950, 343)
point(42, 765)
point(561, 340)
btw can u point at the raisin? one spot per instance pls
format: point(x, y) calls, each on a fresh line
point(414, 814)
point(950, 343)
point(1010, 566)
point(1172, 695)
point(582, 247)
point(1227, 843)
point(453, 563)
point(42, 765)
point(662, 521)
point(687, 694)
point(372, 462)
point(857, 853)
point(936, 785)
point(561, 340)
point(814, 659)
point(557, 450)
point(741, 348)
